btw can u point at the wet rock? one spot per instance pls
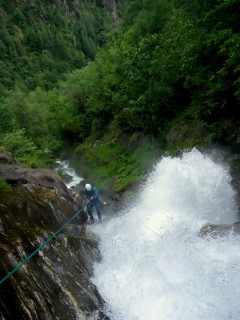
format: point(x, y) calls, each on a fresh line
point(236, 185)
point(220, 230)
point(56, 282)
point(15, 174)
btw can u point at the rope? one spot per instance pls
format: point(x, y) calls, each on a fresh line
point(39, 248)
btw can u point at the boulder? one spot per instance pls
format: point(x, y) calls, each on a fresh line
point(8, 158)
point(15, 174)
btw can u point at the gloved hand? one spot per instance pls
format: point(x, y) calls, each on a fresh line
point(92, 198)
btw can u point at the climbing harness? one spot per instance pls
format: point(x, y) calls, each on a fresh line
point(42, 246)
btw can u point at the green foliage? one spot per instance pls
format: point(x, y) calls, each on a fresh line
point(172, 73)
point(111, 164)
point(145, 17)
point(4, 185)
point(22, 148)
point(66, 34)
point(170, 78)
point(215, 82)
point(36, 113)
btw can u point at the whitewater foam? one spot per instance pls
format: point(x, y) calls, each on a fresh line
point(74, 179)
point(155, 264)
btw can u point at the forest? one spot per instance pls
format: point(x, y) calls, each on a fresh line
point(161, 76)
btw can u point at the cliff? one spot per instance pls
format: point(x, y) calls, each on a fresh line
point(56, 282)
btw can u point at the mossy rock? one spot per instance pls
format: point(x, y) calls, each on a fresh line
point(185, 135)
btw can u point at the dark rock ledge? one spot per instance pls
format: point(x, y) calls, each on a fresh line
point(56, 282)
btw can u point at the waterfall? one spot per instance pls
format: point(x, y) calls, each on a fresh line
point(155, 264)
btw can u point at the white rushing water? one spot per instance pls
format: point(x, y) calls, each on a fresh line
point(155, 264)
point(74, 178)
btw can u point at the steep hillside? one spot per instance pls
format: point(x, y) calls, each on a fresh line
point(42, 40)
point(172, 76)
point(167, 81)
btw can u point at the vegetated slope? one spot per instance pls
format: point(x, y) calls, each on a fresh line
point(41, 40)
point(169, 80)
point(172, 74)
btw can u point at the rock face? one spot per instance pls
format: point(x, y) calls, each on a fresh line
point(55, 283)
point(236, 186)
point(15, 174)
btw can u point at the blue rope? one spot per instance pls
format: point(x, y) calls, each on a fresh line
point(39, 248)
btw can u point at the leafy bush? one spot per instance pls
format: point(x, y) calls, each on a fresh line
point(23, 149)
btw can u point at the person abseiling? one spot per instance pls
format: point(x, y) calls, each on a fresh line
point(92, 196)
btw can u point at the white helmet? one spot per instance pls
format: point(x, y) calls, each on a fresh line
point(88, 187)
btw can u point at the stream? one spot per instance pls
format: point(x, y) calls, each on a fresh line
point(70, 177)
